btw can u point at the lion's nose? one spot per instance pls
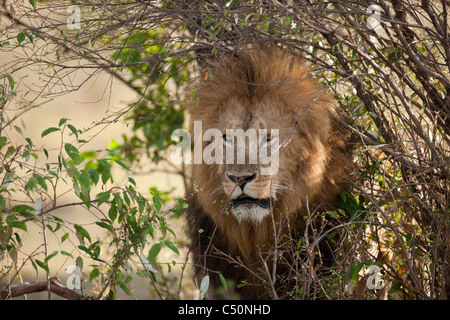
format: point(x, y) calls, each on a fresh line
point(242, 180)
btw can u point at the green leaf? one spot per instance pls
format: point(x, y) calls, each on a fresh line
point(11, 81)
point(172, 246)
point(223, 281)
point(34, 266)
point(132, 181)
point(13, 222)
point(13, 254)
point(128, 279)
point(40, 180)
point(2, 205)
point(49, 130)
point(354, 271)
point(123, 165)
point(105, 166)
point(113, 145)
point(73, 153)
point(105, 226)
point(37, 35)
point(42, 265)
point(105, 170)
point(103, 197)
point(73, 129)
point(64, 237)
point(62, 121)
point(10, 151)
point(83, 232)
point(126, 198)
point(241, 285)
point(333, 214)
point(86, 200)
point(157, 202)
point(154, 251)
point(21, 37)
point(3, 141)
point(85, 179)
point(79, 262)
point(51, 255)
point(112, 213)
point(94, 273)
point(66, 254)
point(94, 175)
point(124, 288)
point(23, 210)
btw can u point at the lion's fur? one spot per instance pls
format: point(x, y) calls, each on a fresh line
point(275, 85)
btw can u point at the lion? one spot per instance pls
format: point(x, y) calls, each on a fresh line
point(236, 214)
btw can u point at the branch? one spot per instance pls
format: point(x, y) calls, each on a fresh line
point(396, 156)
point(54, 286)
point(69, 47)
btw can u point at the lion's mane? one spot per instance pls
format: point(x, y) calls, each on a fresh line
point(315, 164)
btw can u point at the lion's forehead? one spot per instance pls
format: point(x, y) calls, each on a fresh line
point(241, 113)
point(255, 119)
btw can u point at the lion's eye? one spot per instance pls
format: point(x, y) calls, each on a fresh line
point(227, 138)
point(266, 140)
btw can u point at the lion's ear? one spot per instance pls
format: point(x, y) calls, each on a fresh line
point(207, 58)
point(202, 55)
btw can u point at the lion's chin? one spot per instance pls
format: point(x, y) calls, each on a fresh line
point(251, 211)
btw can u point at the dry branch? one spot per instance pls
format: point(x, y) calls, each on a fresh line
point(52, 286)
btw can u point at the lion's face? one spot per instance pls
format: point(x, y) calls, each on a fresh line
point(253, 131)
point(269, 159)
point(276, 127)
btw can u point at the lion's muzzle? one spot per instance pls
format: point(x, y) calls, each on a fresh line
point(263, 203)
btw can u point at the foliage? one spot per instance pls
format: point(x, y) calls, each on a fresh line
point(130, 222)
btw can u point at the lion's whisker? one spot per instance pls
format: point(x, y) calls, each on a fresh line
point(278, 186)
point(219, 190)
